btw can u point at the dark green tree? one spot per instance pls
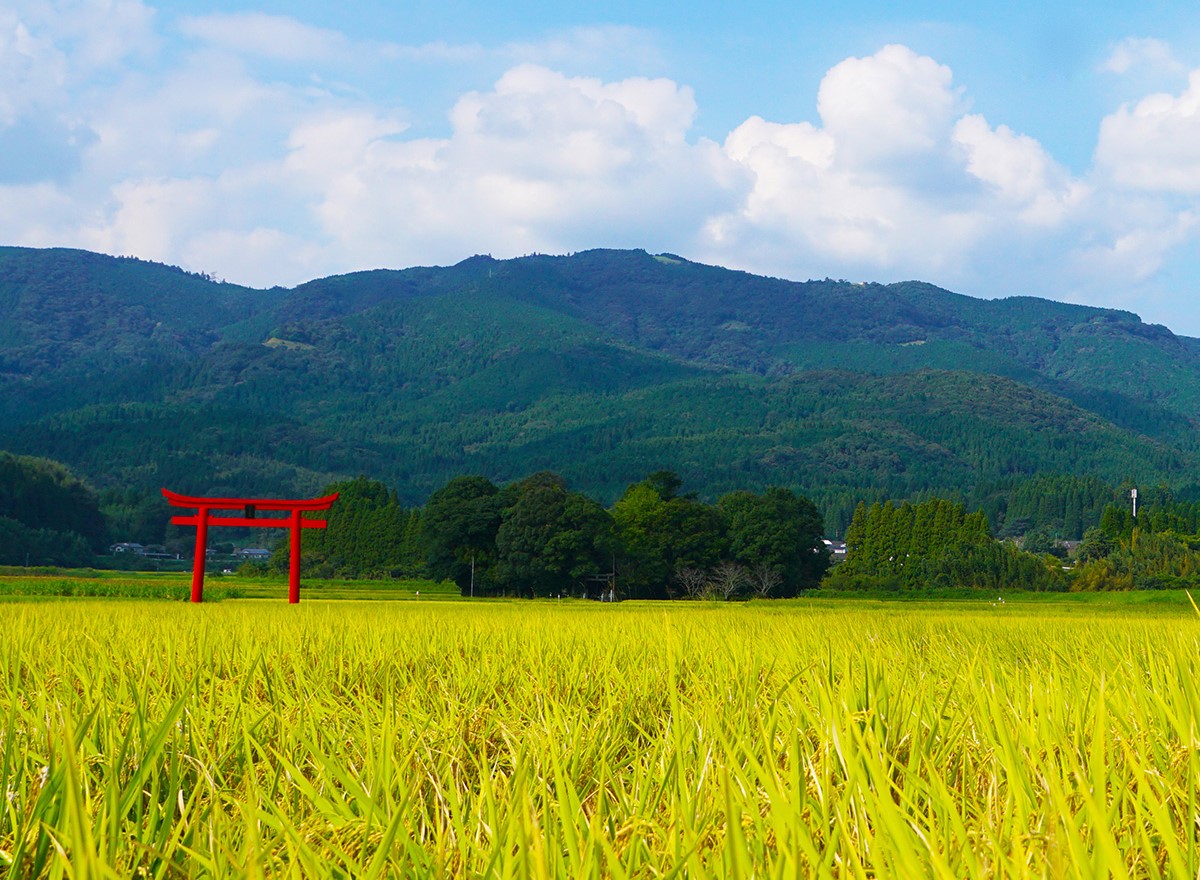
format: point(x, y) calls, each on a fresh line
point(664, 483)
point(21, 545)
point(551, 539)
point(779, 530)
point(658, 534)
point(364, 536)
point(1096, 544)
point(458, 533)
point(638, 528)
point(44, 495)
point(694, 535)
point(1041, 541)
point(1117, 521)
point(935, 544)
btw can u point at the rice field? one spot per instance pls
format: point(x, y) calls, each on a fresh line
point(519, 739)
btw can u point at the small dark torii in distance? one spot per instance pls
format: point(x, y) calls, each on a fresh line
point(250, 507)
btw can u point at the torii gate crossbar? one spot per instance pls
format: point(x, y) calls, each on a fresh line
point(250, 507)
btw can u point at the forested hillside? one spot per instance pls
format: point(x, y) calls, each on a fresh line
point(601, 366)
point(47, 515)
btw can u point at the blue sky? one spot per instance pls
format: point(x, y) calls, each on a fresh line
point(993, 149)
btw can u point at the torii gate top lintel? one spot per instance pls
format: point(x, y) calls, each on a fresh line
point(202, 519)
point(177, 500)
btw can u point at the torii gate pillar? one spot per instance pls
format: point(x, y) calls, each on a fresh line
point(202, 519)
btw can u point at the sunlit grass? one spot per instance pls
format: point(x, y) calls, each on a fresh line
point(175, 586)
point(579, 740)
point(107, 585)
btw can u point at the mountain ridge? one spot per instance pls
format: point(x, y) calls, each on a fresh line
point(604, 365)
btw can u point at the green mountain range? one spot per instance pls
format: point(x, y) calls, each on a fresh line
point(602, 365)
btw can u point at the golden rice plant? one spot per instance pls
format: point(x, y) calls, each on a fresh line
point(574, 740)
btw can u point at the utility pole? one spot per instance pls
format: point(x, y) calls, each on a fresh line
point(1134, 535)
point(473, 569)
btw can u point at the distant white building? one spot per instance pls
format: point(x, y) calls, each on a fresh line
point(836, 549)
point(254, 554)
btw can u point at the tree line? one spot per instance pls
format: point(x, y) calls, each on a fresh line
point(537, 537)
point(935, 544)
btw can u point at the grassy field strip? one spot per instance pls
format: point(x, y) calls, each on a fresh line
point(177, 587)
point(580, 740)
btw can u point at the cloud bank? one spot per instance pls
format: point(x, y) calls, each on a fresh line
point(240, 151)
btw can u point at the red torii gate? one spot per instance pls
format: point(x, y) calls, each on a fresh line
point(202, 519)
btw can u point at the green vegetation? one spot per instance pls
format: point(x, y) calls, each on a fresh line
point(579, 740)
point(550, 539)
point(537, 538)
point(601, 366)
point(62, 583)
point(47, 515)
point(935, 545)
point(369, 535)
point(57, 583)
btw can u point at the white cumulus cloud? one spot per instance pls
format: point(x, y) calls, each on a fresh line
point(1155, 144)
point(892, 104)
point(541, 162)
point(1018, 171)
point(897, 179)
point(48, 48)
point(1133, 52)
point(269, 36)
